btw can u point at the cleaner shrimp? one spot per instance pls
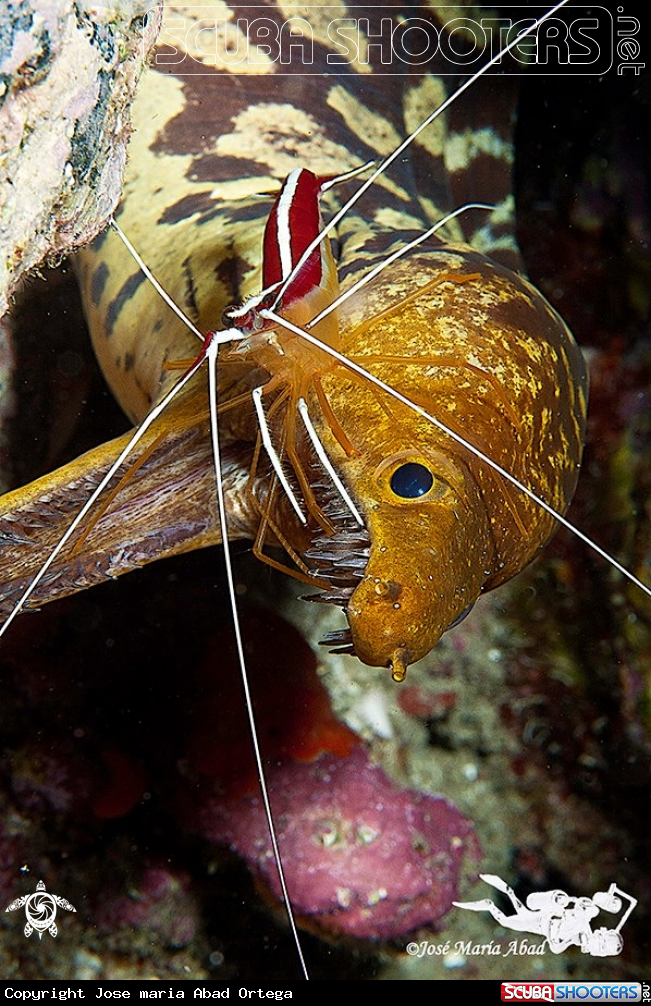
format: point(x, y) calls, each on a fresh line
point(303, 484)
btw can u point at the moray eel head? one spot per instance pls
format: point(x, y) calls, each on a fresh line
point(479, 349)
point(430, 557)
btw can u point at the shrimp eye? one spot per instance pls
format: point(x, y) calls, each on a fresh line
point(411, 480)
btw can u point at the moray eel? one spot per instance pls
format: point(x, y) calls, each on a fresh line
point(456, 331)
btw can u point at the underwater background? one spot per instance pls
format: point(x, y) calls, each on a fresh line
point(531, 717)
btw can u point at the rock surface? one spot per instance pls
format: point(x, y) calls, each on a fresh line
point(68, 73)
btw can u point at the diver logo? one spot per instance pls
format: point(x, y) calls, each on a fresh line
point(564, 921)
point(40, 910)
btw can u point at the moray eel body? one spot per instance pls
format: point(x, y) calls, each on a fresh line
point(457, 332)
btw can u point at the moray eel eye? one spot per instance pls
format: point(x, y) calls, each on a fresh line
point(411, 480)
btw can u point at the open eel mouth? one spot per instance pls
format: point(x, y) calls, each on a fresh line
point(340, 559)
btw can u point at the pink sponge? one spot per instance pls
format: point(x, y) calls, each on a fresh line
point(361, 855)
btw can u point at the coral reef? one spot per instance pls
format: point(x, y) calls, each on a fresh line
point(110, 784)
point(365, 856)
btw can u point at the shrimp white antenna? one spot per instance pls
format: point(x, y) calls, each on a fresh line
point(347, 175)
point(99, 489)
point(405, 143)
point(256, 395)
point(394, 257)
point(271, 315)
point(326, 462)
point(262, 780)
point(212, 342)
point(146, 271)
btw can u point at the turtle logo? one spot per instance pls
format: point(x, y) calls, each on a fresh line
point(40, 910)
